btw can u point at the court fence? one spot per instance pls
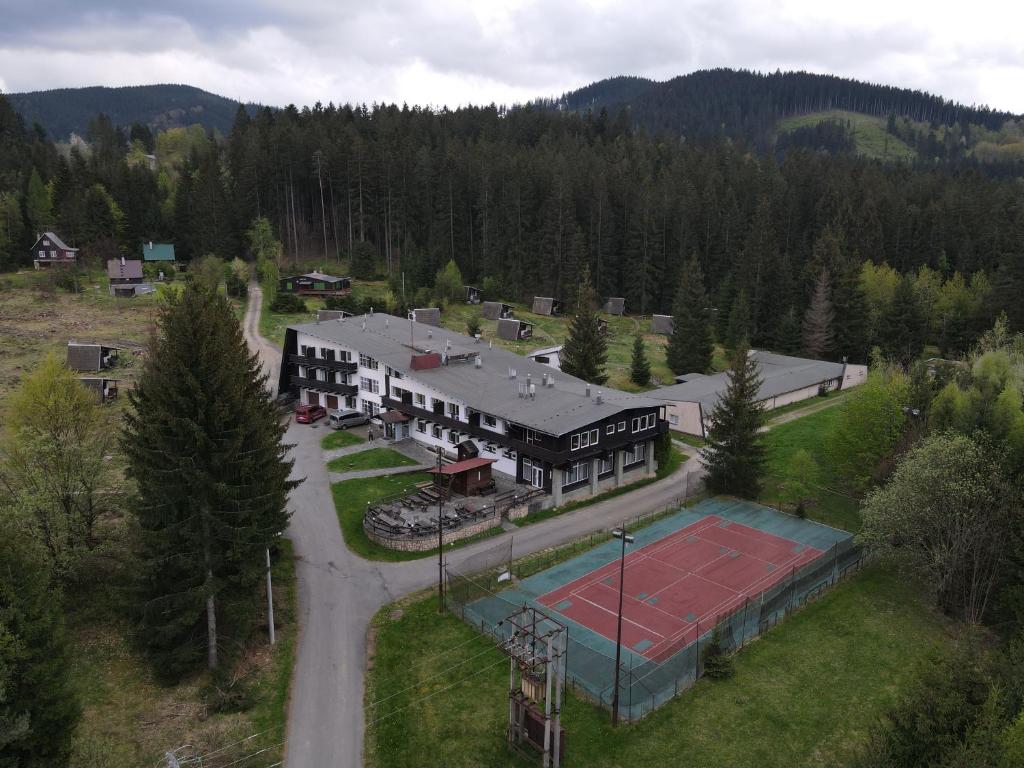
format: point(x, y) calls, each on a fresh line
point(482, 600)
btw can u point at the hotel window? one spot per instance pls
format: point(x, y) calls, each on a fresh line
point(370, 409)
point(453, 410)
point(607, 465)
point(637, 453)
point(532, 438)
point(577, 472)
point(490, 421)
point(369, 385)
point(622, 426)
point(673, 419)
point(642, 423)
point(585, 439)
point(367, 362)
point(610, 429)
point(453, 437)
point(437, 432)
point(420, 399)
point(421, 426)
point(326, 354)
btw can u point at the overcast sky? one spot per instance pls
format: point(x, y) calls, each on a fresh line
point(460, 51)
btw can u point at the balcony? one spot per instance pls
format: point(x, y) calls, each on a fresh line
point(324, 386)
point(319, 362)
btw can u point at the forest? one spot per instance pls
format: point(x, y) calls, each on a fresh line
point(525, 197)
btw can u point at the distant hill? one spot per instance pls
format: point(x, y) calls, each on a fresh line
point(64, 111)
point(756, 107)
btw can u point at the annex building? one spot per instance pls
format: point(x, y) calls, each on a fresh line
point(784, 380)
point(443, 389)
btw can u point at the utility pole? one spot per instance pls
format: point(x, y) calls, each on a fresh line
point(440, 542)
point(270, 600)
point(318, 155)
point(627, 538)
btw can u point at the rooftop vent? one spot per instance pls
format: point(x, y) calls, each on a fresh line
point(533, 389)
point(430, 334)
point(551, 382)
point(588, 389)
point(544, 380)
point(371, 311)
point(387, 322)
point(600, 398)
point(478, 362)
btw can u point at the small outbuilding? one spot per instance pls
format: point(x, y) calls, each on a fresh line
point(323, 315)
point(545, 305)
point(549, 356)
point(661, 324)
point(158, 252)
point(125, 276)
point(91, 357)
point(50, 251)
point(315, 284)
point(466, 478)
point(496, 310)
point(473, 295)
point(426, 316)
point(512, 329)
point(104, 389)
point(615, 306)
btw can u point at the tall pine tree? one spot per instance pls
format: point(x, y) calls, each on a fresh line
point(39, 707)
point(690, 347)
point(735, 453)
point(737, 333)
point(203, 441)
point(818, 320)
point(903, 326)
point(585, 352)
point(640, 368)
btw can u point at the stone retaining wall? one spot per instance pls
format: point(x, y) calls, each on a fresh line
point(426, 543)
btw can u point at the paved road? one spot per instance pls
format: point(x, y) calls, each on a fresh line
point(339, 592)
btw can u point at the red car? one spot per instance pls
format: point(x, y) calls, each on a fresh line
point(307, 414)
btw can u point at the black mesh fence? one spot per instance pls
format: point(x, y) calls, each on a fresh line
point(483, 601)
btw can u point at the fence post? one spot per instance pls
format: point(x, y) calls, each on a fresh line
point(835, 562)
point(792, 589)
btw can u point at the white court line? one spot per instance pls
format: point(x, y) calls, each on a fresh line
point(614, 613)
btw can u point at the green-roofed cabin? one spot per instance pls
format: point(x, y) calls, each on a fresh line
point(315, 284)
point(163, 252)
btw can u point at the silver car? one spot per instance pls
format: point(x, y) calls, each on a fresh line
point(346, 419)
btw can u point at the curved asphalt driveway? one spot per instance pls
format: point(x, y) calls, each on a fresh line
point(339, 592)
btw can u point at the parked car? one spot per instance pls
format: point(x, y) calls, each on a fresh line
point(346, 419)
point(307, 414)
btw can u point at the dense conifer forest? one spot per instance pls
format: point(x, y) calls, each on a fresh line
point(526, 197)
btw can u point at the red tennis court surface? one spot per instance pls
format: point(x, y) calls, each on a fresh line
point(686, 579)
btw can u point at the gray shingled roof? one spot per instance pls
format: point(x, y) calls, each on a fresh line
point(57, 241)
point(554, 410)
point(130, 269)
point(779, 373)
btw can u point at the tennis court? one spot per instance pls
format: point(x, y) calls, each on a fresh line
point(673, 585)
point(734, 564)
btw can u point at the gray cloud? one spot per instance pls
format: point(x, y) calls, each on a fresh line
point(455, 51)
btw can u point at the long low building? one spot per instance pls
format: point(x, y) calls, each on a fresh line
point(444, 389)
point(784, 380)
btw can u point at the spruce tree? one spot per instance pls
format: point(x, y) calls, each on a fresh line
point(585, 352)
point(818, 320)
point(786, 334)
point(39, 706)
point(37, 204)
point(203, 441)
point(850, 306)
point(690, 347)
point(902, 326)
point(735, 454)
point(640, 367)
point(737, 333)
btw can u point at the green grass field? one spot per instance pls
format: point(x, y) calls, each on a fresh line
point(340, 438)
point(131, 719)
point(375, 458)
point(869, 131)
point(803, 695)
point(809, 432)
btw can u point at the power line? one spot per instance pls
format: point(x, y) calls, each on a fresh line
point(438, 674)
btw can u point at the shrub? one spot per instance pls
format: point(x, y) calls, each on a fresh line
point(473, 325)
point(717, 663)
point(288, 303)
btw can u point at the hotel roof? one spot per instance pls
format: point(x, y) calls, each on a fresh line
point(494, 388)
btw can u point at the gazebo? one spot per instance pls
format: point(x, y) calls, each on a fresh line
point(467, 477)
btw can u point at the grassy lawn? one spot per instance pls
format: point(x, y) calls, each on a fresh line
point(802, 696)
point(375, 458)
point(809, 432)
point(692, 440)
point(273, 324)
point(832, 398)
point(131, 719)
point(340, 438)
point(36, 320)
point(350, 500)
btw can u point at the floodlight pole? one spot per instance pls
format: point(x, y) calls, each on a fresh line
point(619, 533)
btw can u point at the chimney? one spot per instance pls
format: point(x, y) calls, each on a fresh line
point(371, 311)
point(151, 245)
point(122, 259)
point(588, 389)
point(544, 380)
point(430, 334)
point(387, 322)
point(551, 382)
point(478, 362)
point(600, 399)
point(533, 390)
